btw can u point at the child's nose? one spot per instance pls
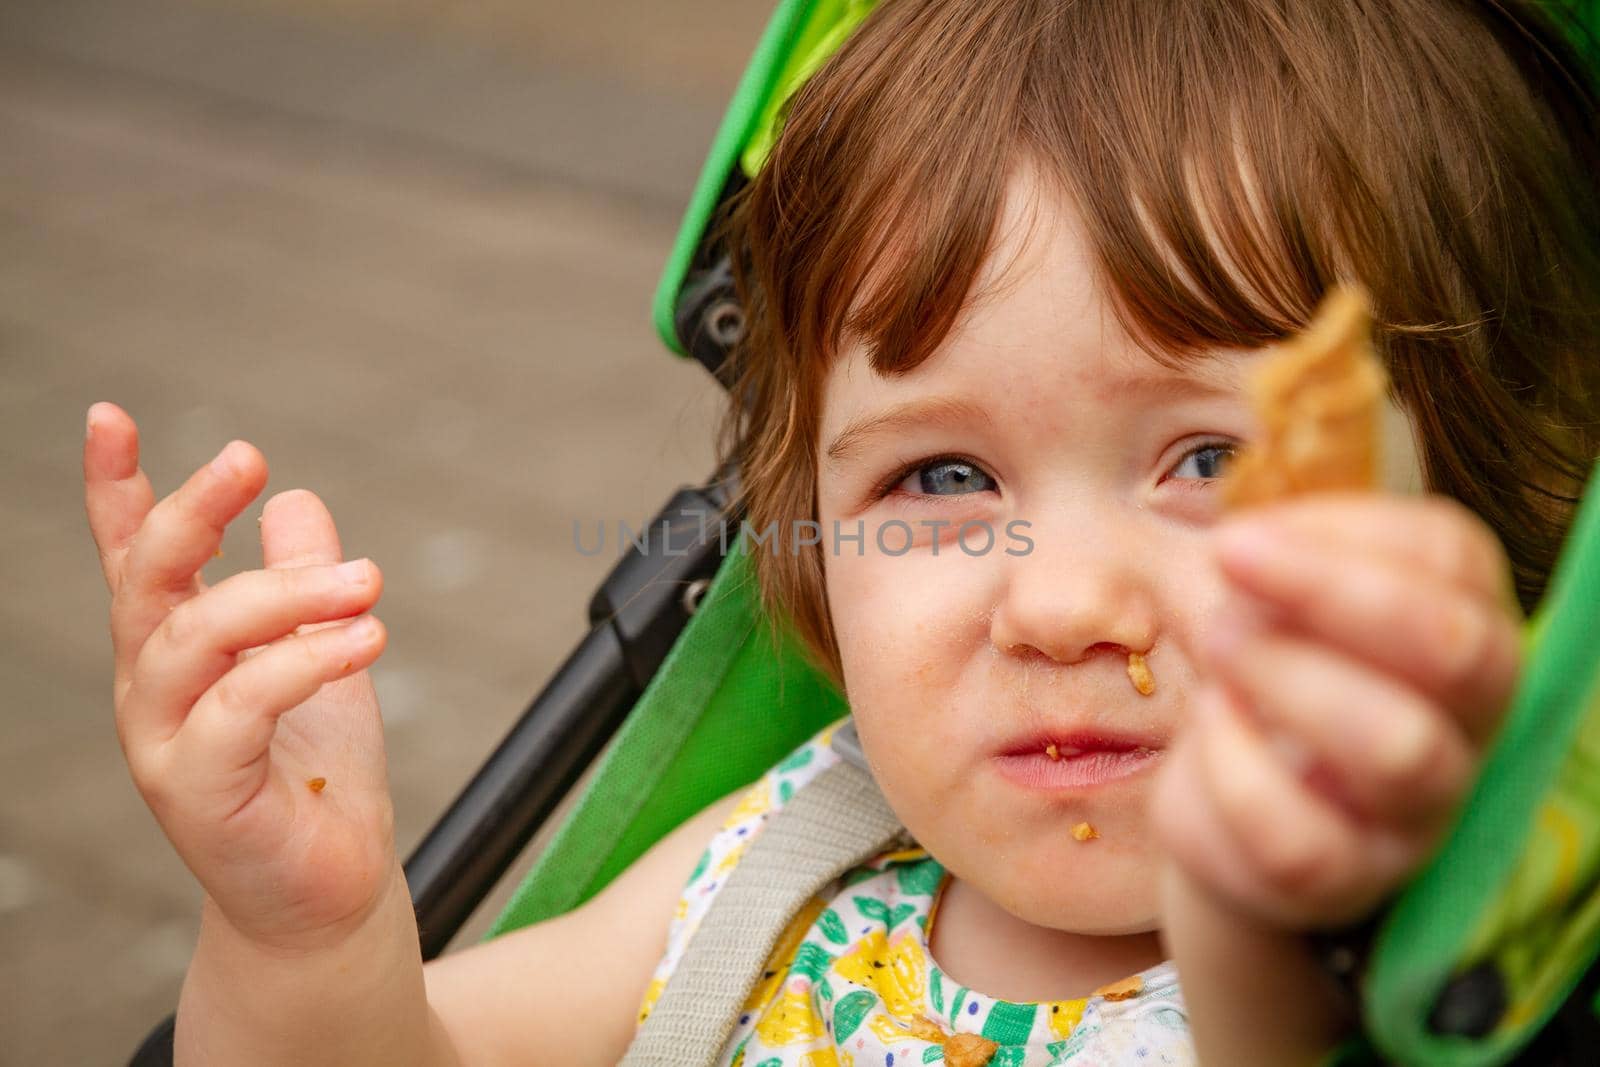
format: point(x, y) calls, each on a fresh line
point(1073, 605)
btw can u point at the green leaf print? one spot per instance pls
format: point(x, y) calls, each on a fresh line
point(848, 1013)
point(700, 868)
point(936, 989)
point(774, 1062)
point(1009, 1024)
point(875, 910)
point(901, 914)
point(797, 760)
point(932, 1053)
point(785, 792)
point(920, 879)
point(811, 960)
point(833, 927)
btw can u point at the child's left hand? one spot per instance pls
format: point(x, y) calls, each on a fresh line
point(1370, 652)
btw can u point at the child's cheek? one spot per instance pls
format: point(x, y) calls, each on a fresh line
point(913, 631)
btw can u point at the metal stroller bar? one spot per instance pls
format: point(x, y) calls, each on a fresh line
point(637, 614)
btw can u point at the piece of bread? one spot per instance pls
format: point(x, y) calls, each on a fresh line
point(1320, 400)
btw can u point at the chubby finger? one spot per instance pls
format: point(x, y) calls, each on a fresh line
point(1433, 534)
point(1302, 861)
point(1204, 845)
point(1392, 756)
point(297, 529)
point(223, 744)
point(117, 494)
point(1451, 645)
point(1190, 829)
point(178, 537)
point(199, 641)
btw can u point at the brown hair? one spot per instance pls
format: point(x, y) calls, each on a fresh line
point(1230, 162)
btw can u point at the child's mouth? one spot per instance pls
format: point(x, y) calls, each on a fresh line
point(1075, 763)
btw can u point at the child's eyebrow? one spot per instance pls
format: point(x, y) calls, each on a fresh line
point(926, 411)
point(1150, 389)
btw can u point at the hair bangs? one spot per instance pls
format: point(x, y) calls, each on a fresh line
point(1219, 203)
point(889, 178)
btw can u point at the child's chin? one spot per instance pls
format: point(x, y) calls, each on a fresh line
point(1098, 915)
point(1103, 894)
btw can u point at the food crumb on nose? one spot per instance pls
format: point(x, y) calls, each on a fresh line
point(1084, 832)
point(218, 554)
point(1052, 751)
point(316, 784)
point(1139, 674)
point(346, 665)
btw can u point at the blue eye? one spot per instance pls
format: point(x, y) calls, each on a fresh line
point(1207, 462)
point(947, 477)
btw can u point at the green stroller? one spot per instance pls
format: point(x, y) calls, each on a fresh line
point(1488, 957)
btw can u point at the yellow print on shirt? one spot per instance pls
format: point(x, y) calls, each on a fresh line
point(897, 972)
point(790, 1020)
point(754, 804)
point(1065, 1015)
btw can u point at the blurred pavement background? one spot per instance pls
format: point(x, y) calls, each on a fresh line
point(406, 248)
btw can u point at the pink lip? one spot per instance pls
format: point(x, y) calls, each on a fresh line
point(1082, 761)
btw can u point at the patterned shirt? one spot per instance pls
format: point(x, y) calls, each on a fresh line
point(851, 981)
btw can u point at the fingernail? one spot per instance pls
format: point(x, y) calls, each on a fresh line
point(363, 629)
point(1263, 556)
point(222, 465)
point(88, 423)
point(1248, 542)
point(1404, 745)
point(356, 572)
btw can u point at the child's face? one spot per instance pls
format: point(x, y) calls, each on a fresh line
point(961, 666)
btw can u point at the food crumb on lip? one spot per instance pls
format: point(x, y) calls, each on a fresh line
point(1052, 751)
point(316, 785)
point(1084, 832)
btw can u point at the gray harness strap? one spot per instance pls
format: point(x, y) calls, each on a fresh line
point(837, 822)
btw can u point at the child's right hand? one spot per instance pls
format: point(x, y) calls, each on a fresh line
point(251, 731)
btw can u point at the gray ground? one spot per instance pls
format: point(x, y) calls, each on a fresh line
point(409, 255)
